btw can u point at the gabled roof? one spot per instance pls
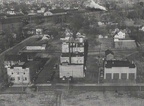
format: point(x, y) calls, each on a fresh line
point(107, 52)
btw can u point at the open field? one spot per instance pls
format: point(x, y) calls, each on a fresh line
point(102, 99)
point(30, 99)
point(74, 98)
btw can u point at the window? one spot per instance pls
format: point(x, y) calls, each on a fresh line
point(12, 73)
point(131, 76)
point(17, 72)
point(12, 79)
point(25, 78)
point(116, 76)
point(18, 78)
point(23, 73)
point(108, 76)
point(124, 76)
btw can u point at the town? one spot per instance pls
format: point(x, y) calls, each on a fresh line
point(70, 45)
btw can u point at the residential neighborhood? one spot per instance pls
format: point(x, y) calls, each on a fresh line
point(71, 52)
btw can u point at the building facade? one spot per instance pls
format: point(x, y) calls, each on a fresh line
point(73, 58)
point(11, 60)
point(19, 75)
point(119, 70)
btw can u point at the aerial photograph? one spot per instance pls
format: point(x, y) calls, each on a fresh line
point(71, 52)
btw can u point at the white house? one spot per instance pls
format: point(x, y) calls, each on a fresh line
point(48, 13)
point(11, 12)
point(39, 31)
point(19, 75)
point(120, 35)
point(42, 10)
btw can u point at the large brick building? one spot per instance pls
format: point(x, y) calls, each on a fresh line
point(73, 58)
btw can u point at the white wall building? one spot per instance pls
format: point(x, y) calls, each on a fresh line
point(19, 75)
point(119, 70)
point(36, 47)
point(75, 71)
point(72, 47)
point(120, 35)
point(74, 59)
point(11, 12)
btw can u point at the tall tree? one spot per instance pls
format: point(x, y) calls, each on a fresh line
point(76, 23)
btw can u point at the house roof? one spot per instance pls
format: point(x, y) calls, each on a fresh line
point(119, 63)
point(71, 54)
point(39, 42)
point(107, 52)
point(15, 19)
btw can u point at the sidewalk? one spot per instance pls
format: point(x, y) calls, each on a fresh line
point(84, 85)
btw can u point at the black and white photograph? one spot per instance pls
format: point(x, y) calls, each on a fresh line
point(71, 52)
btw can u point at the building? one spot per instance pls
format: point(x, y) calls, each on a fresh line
point(73, 58)
point(125, 44)
point(19, 74)
point(39, 31)
point(73, 45)
point(123, 41)
point(31, 50)
point(25, 72)
point(120, 35)
point(109, 55)
point(11, 11)
point(75, 71)
point(11, 60)
point(119, 70)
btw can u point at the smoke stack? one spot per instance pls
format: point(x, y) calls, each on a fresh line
point(92, 5)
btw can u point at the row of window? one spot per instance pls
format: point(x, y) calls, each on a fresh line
point(17, 73)
point(13, 78)
point(123, 76)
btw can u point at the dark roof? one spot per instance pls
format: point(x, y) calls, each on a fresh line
point(32, 64)
point(119, 63)
point(107, 52)
point(71, 54)
point(39, 42)
point(11, 20)
point(12, 57)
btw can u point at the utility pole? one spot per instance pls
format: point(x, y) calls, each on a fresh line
point(99, 64)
